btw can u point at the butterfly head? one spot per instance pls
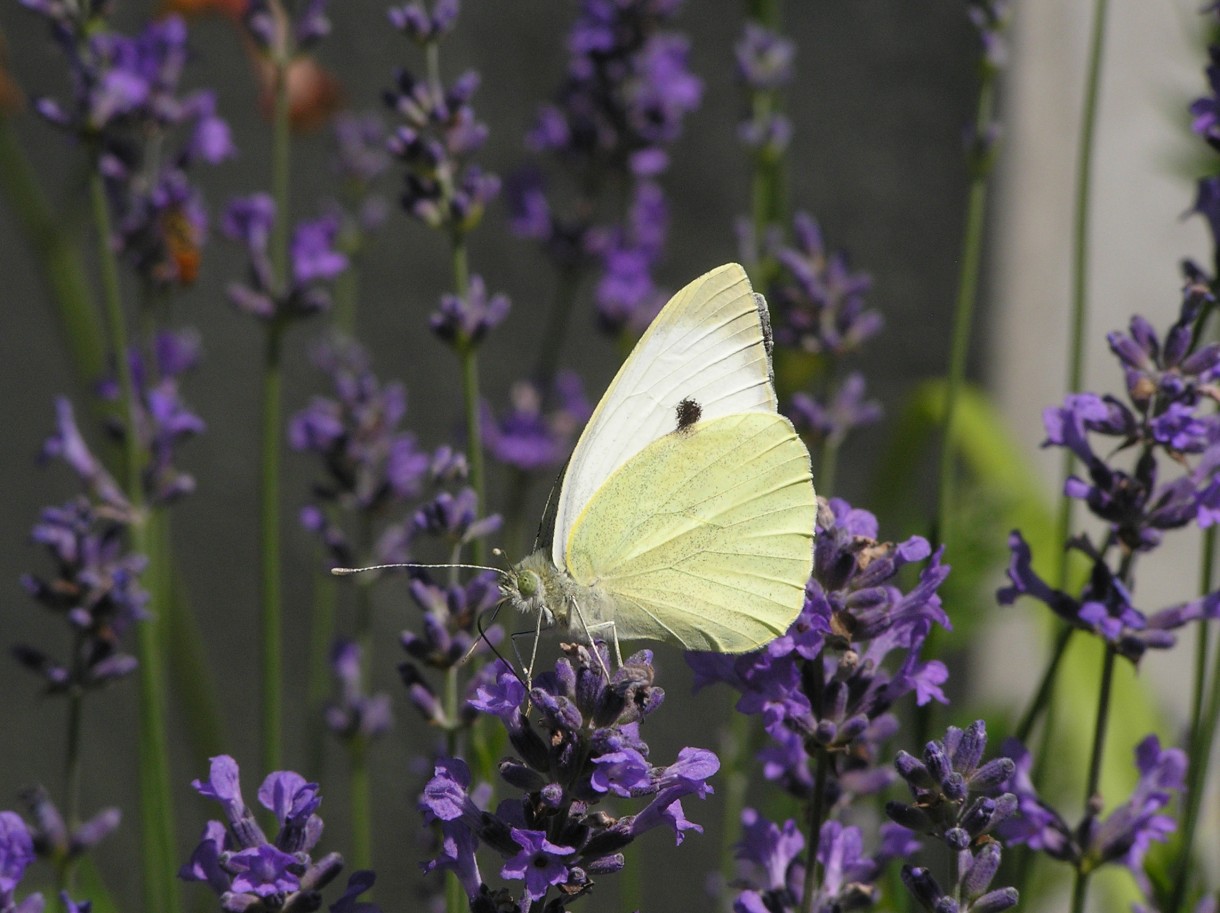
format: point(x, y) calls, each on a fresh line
point(526, 587)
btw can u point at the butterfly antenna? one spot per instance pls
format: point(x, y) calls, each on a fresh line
point(347, 571)
point(486, 619)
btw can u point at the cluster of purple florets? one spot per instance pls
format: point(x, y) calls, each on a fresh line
point(578, 752)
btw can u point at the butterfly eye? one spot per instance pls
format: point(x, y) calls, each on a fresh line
point(528, 583)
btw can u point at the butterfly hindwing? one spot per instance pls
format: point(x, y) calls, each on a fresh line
point(719, 559)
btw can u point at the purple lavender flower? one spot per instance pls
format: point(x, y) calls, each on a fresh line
point(439, 135)
point(817, 301)
point(853, 620)
point(16, 853)
point(360, 160)
point(956, 796)
point(529, 440)
point(775, 883)
point(764, 65)
point(354, 714)
point(1207, 204)
point(584, 749)
point(1206, 110)
point(845, 410)
point(990, 18)
point(1123, 836)
point(284, 34)
point(445, 637)
point(463, 323)
point(240, 864)
point(315, 261)
point(1105, 606)
point(51, 836)
point(1169, 385)
point(764, 58)
point(957, 799)
point(96, 589)
point(163, 421)
point(627, 89)
point(627, 297)
point(147, 138)
point(420, 25)
point(627, 92)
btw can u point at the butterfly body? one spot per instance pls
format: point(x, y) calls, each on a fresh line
point(686, 512)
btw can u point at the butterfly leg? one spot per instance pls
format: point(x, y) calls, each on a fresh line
point(589, 637)
point(618, 653)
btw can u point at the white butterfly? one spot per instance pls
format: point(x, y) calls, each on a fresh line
point(686, 511)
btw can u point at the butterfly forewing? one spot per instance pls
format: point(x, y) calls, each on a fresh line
point(705, 347)
point(704, 538)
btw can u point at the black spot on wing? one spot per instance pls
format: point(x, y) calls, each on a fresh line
point(688, 412)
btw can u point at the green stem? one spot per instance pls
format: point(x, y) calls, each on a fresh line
point(1202, 733)
point(1080, 262)
point(321, 636)
point(468, 354)
point(272, 652)
point(273, 382)
point(735, 780)
point(156, 809)
point(1080, 887)
point(967, 294)
point(362, 805)
point(59, 263)
point(1080, 248)
point(1046, 688)
point(555, 330)
point(65, 868)
point(817, 812)
point(281, 172)
point(116, 329)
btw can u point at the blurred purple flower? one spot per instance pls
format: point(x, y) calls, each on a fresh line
point(845, 410)
point(163, 421)
point(52, 838)
point(421, 26)
point(315, 261)
point(990, 18)
point(764, 58)
point(1123, 836)
point(96, 586)
point(16, 853)
point(439, 134)
point(360, 160)
point(776, 868)
point(627, 297)
point(284, 33)
point(354, 714)
point(463, 323)
point(525, 438)
point(817, 301)
point(126, 108)
point(1105, 604)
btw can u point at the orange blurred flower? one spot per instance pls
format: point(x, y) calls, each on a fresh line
point(230, 9)
point(314, 93)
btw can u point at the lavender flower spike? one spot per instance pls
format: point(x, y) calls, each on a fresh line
point(247, 870)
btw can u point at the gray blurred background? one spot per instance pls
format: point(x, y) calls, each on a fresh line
point(883, 89)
